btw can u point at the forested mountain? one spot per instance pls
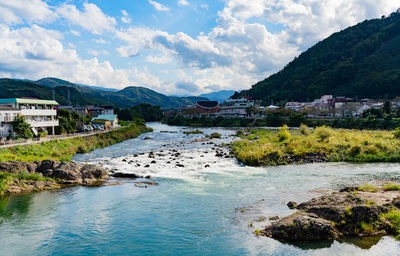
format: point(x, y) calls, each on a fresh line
point(361, 61)
point(70, 93)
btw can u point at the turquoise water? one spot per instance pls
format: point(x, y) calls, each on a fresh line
point(193, 211)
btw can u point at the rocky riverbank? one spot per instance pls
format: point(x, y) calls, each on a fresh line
point(19, 177)
point(353, 211)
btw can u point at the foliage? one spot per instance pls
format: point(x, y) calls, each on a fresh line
point(67, 121)
point(394, 219)
point(22, 128)
point(343, 145)
point(215, 135)
point(145, 111)
point(193, 132)
point(6, 177)
point(323, 133)
point(64, 150)
point(304, 129)
point(391, 187)
point(396, 133)
point(360, 61)
point(283, 133)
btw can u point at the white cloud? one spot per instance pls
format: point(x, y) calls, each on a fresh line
point(204, 6)
point(158, 6)
point(34, 52)
point(91, 18)
point(183, 2)
point(75, 33)
point(97, 53)
point(32, 11)
point(100, 41)
point(125, 18)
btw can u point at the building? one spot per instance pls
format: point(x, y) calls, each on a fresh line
point(95, 111)
point(233, 108)
point(207, 107)
point(323, 103)
point(108, 110)
point(7, 116)
point(108, 121)
point(40, 114)
point(81, 111)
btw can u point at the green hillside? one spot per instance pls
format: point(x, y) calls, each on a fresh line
point(83, 95)
point(361, 61)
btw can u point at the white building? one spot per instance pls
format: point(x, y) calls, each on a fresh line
point(40, 114)
point(7, 116)
point(232, 108)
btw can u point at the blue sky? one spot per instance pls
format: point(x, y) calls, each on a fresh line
point(180, 47)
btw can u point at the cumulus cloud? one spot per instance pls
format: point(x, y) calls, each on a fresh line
point(183, 2)
point(91, 18)
point(125, 18)
point(158, 6)
point(34, 52)
point(19, 11)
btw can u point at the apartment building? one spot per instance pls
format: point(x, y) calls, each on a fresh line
point(40, 114)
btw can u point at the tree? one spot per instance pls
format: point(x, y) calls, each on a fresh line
point(22, 128)
point(251, 110)
point(387, 107)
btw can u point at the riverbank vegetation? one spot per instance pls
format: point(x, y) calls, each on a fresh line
point(323, 144)
point(64, 150)
point(291, 119)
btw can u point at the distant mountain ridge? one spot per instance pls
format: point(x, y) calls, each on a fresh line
point(219, 96)
point(361, 61)
point(69, 93)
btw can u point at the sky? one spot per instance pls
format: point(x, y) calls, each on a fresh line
point(176, 47)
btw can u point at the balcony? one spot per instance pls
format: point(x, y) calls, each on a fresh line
point(38, 112)
point(43, 123)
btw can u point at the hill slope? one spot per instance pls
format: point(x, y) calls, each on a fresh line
point(361, 61)
point(83, 95)
point(219, 96)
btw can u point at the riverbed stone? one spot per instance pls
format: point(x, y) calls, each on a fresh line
point(92, 174)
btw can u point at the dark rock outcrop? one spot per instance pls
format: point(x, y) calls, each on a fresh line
point(352, 212)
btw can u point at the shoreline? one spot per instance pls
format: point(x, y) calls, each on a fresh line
point(64, 150)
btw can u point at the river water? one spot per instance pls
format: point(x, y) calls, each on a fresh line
point(194, 210)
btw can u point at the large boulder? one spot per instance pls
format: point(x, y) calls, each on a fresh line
point(92, 174)
point(17, 167)
point(68, 173)
point(301, 227)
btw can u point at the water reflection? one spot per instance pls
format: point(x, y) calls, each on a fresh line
point(15, 206)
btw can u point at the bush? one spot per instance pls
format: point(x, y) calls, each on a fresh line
point(215, 135)
point(304, 129)
point(323, 133)
point(397, 133)
point(283, 133)
point(355, 150)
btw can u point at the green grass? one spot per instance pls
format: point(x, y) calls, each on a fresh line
point(391, 187)
point(323, 143)
point(215, 135)
point(64, 150)
point(6, 178)
point(193, 132)
point(394, 219)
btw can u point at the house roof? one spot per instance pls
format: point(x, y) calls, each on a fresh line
point(207, 104)
point(29, 101)
point(8, 108)
point(105, 117)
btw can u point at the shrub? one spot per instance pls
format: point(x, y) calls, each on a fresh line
point(396, 133)
point(304, 129)
point(391, 187)
point(283, 133)
point(394, 219)
point(215, 135)
point(323, 133)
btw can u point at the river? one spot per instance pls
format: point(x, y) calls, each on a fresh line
point(208, 206)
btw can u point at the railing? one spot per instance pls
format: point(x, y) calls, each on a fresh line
point(38, 112)
point(44, 123)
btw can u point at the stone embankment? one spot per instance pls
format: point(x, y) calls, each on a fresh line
point(353, 211)
point(49, 174)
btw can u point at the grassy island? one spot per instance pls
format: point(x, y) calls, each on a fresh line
point(280, 147)
point(64, 150)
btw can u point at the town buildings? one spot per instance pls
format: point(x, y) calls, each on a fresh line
point(233, 108)
point(108, 121)
point(7, 116)
point(40, 114)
